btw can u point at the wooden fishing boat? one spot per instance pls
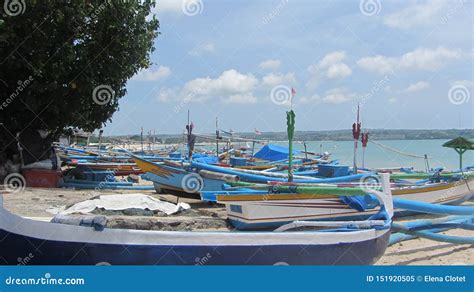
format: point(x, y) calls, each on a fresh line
point(119, 169)
point(191, 178)
point(267, 209)
point(171, 177)
point(62, 244)
point(251, 167)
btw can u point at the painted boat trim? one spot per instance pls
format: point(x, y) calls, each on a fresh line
point(70, 233)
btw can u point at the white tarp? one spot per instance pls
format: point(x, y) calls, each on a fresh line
point(126, 201)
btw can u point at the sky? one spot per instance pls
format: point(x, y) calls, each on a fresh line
point(409, 64)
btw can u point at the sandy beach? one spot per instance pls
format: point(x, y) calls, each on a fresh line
point(43, 203)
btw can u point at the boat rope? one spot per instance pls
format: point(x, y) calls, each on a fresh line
point(232, 138)
point(466, 181)
point(398, 151)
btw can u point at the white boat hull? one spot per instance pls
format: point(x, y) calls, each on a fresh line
point(272, 211)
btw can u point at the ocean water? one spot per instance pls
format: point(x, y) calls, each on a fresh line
point(376, 156)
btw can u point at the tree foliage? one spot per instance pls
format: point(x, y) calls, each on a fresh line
point(66, 63)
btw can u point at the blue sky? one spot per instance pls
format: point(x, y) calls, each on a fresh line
point(409, 64)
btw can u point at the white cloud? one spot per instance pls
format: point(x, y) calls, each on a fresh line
point(245, 98)
point(337, 95)
point(167, 94)
point(231, 87)
point(392, 100)
point(338, 71)
point(202, 48)
point(467, 83)
point(380, 64)
point(276, 79)
point(329, 67)
point(415, 15)
point(421, 59)
point(270, 64)
point(177, 7)
point(153, 75)
point(331, 59)
point(168, 6)
point(428, 59)
point(417, 86)
point(309, 99)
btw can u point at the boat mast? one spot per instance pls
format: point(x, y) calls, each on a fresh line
point(217, 138)
point(364, 139)
point(290, 122)
point(141, 140)
point(100, 141)
point(355, 134)
point(191, 138)
point(189, 134)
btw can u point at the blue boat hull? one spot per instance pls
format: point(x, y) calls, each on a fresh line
point(15, 247)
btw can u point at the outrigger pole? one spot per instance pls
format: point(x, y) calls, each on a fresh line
point(141, 140)
point(356, 134)
point(191, 138)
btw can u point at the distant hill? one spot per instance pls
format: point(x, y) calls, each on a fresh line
point(337, 135)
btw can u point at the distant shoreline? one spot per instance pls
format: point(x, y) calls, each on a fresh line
point(336, 135)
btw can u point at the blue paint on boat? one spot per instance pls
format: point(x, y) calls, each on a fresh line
point(333, 170)
point(178, 178)
point(211, 196)
point(91, 186)
point(248, 177)
point(416, 206)
point(83, 253)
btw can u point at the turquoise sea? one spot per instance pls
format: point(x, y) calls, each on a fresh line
point(376, 156)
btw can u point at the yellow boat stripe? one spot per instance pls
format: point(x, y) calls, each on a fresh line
point(268, 197)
